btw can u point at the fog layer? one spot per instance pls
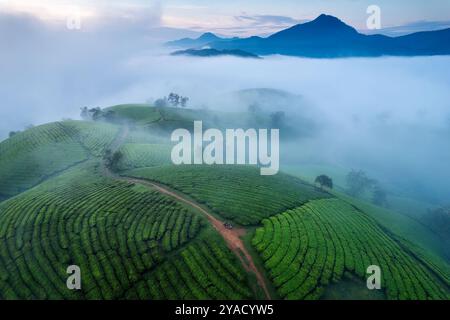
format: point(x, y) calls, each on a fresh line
point(388, 116)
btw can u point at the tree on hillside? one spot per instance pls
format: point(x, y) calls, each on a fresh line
point(112, 159)
point(277, 119)
point(85, 113)
point(115, 161)
point(107, 156)
point(438, 219)
point(379, 196)
point(13, 133)
point(97, 114)
point(254, 108)
point(324, 181)
point(161, 103)
point(184, 101)
point(358, 183)
point(174, 99)
point(109, 116)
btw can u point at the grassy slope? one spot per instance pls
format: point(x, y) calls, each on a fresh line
point(239, 193)
point(170, 118)
point(402, 225)
point(139, 114)
point(406, 226)
point(399, 203)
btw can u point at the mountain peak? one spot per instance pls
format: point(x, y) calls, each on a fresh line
point(204, 39)
point(330, 22)
point(327, 18)
point(208, 36)
point(323, 26)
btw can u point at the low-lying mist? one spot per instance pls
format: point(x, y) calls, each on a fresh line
point(388, 116)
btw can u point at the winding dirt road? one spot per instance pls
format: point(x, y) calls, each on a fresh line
point(232, 237)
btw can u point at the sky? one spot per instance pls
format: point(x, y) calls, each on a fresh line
point(244, 18)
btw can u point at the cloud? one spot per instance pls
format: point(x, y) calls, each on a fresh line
point(388, 116)
point(48, 71)
point(268, 20)
point(241, 25)
point(416, 26)
point(263, 24)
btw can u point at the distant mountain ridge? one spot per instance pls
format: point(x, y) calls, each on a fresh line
point(329, 37)
point(204, 39)
point(215, 53)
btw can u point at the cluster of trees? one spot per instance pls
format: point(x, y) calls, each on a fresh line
point(112, 159)
point(254, 108)
point(173, 100)
point(358, 183)
point(97, 114)
point(13, 133)
point(438, 219)
point(277, 119)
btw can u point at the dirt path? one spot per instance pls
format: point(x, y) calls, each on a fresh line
point(231, 236)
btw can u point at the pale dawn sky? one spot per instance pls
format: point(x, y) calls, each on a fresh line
point(240, 18)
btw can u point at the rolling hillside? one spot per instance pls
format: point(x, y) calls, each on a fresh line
point(31, 157)
point(150, 230)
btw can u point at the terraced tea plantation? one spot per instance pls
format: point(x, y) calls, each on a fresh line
point(119, 234)
point(306, 248)
point(148, 229)
point(30, 157)
point(138, 155)
point(204, 270)
point(25, 161)
point(238, 193)
point(95, 137)
point(141, 115)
